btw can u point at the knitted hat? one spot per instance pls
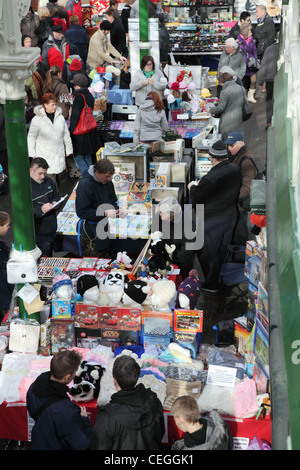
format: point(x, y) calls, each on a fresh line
point(137, 290)
point(105, 25)
point(75, 65)
point(85, 282)
point(164, 289)
point(218, 150)
point(57, 28)
point(61, 280)
point(190, 287)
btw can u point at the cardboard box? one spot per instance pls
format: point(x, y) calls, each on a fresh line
point(86, 316)
point(178, 172)
point(163, 174)
point(187, 341)
point(115, 338)
point(61, 308)
point(161, 342)
point(188, 321)
point(45, 334)
point(254, 255)
point(157, 323)
point(62, 335)
point(178, 150)
point(158, 194)
point(108, 317)
point(87, 338)
point(129, 318)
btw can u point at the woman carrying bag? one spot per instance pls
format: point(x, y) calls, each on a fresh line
point(85, 145)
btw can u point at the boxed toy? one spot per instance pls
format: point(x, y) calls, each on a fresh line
point(159, 342)
point(163, 174)
point(61, 308)
point(62, 335)
point(262, 312)
point(115, 338)
point(254, 255)
point(86, 316)
point(157, 323)
point(187, 341)
point(88, 264)
point(87, 338)
point(129, 318)
point(261, 347)
point(108, 317)
point(45, 334)
point(188, 321)
point(241, 334)
point(252, 305)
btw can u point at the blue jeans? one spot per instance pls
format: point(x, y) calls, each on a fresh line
point(83, 162)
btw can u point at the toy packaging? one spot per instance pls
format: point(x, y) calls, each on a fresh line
point(108, 317)
point(62, 335)
point(188, 321)
point(129, 318)
point(86, 316)
point(61, 308)
point(187, 341)
point(254, 255)
point(87, 338)
point(115, 338)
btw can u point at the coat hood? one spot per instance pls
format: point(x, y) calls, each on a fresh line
point(40, 111)
point(140, 405)
point(148, 105)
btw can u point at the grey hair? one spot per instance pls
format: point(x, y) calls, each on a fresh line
point(231, 42)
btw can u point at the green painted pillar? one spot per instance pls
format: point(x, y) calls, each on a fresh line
point(20, 187)
point(143, 23)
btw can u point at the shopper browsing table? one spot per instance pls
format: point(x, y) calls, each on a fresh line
point(218, 190)
point(146, 79)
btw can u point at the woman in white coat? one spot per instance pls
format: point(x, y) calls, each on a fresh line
point(147, 79)
point(49, 137)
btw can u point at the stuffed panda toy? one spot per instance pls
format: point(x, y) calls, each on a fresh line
point(114, 286)
point(86, 383)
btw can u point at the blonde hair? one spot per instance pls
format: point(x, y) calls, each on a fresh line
point(245, 29)
point(43, 13)
point(186, 408)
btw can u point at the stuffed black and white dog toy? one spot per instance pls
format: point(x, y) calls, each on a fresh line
point(86, 383)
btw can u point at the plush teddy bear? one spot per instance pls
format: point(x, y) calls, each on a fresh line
point(160, 253)
point(86, 383)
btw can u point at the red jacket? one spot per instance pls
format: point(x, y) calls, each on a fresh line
point(74, 9)
point(56, 58)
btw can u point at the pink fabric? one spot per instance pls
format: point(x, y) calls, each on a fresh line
point(245, 398)
point(24, 386)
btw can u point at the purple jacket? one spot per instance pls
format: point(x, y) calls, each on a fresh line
point(248, 49)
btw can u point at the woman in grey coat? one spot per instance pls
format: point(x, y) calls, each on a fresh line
point(150, 121)
point(230, 106)
point(147, 79)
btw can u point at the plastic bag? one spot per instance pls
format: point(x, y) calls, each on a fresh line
point(258, 444)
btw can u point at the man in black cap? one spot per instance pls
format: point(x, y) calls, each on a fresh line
point(218, 190)
point(101, 50)
point(56, 49)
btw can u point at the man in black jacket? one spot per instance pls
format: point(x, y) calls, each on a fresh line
point(235, 30)
point(218, 190)
point(264, 33)
point(44, 195)
point(133, 419)
point(117, 32)
point(95, 201)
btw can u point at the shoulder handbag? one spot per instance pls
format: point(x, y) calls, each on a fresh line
point(253, 64)
point(86, 122)
point(247, 113)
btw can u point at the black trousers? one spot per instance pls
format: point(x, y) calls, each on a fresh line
point(269, 100)
point(217, 237)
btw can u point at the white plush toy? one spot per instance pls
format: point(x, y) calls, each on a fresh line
point(114, 286)
point(163, 292)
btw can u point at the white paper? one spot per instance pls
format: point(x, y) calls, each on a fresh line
point(59, 202)
point(28, 293)
point(222, 376)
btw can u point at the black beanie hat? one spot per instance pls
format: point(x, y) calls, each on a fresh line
point(218, 150)
point(137, 290)
point(105, 25)
point(85, 282)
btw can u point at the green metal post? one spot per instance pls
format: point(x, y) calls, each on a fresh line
point(20, 187)
point(143, 22)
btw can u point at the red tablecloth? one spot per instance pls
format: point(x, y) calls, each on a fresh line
point(16, 424)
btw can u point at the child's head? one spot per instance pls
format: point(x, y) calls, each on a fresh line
point(126, 372)
point(64, 365)
point(4, 223)
point(185, 411)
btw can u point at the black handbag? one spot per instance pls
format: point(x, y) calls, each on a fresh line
point(247, 113)
point(253, 64)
